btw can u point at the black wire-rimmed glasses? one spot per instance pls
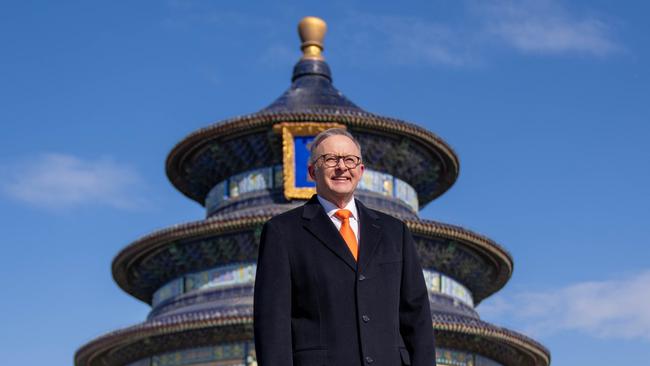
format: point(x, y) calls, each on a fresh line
point(332, 160)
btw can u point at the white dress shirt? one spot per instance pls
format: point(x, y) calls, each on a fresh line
point(331, 209)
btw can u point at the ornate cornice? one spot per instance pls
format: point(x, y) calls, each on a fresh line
point(155, 242)
point(482, 336)
point(182, 153)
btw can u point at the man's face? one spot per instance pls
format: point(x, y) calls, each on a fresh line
point(336, 184)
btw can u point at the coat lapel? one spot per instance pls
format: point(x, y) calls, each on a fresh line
point(315, 220)
point(370, 234)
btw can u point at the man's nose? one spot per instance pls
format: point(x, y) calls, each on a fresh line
point(340, 164)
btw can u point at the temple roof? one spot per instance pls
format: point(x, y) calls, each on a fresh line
point(312, 91)
point(311, 84)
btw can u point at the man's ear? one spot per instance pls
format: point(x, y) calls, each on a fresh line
point(310, 170)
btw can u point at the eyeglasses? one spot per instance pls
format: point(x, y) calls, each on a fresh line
point(332, 160)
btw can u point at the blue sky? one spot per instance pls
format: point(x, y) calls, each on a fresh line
point(546, 102)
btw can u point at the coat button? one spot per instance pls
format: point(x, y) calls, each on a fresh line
point(369, 359)
point(362, 277)
point(365, 318)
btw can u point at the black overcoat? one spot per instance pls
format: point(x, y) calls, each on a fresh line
point(314, 305)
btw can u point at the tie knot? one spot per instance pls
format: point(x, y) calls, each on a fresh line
point(343, 214)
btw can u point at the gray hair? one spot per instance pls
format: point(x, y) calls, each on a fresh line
point(329, 133)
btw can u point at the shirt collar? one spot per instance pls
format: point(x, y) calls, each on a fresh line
point(331, 208)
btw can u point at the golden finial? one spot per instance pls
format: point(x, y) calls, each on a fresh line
point(312, 31)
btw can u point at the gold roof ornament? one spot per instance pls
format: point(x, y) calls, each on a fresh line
point(312, 31)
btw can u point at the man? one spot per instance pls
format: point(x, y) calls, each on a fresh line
point(337, 283)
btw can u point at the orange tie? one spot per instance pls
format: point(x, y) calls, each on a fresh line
point(346, 231)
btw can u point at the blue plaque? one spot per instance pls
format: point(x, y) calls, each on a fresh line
point(301, 151)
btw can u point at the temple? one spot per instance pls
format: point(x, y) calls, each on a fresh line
point(198, 277)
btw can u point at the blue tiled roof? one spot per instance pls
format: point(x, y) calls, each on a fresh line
point(312, 91)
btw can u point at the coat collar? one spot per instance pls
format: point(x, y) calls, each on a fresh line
point(320, 225)
point(369, 225)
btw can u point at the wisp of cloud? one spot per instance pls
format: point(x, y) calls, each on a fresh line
point(60, 181)
point(605, 309)
point(545, 27)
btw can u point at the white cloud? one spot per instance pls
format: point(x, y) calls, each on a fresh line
point(391, 38)
point(62, 181)
point(403, 40)
point(606, 309)
point(541, 27)
point(544, 27)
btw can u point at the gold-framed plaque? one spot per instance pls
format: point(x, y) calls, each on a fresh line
point(296, 138)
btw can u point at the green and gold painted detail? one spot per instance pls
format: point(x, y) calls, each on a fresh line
point(243, 353)
point(149, 339)
point(243, 274)
point(273, 178)
point(192, 330)
point(146, 265)
point(217, 152)
point(229, 354)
